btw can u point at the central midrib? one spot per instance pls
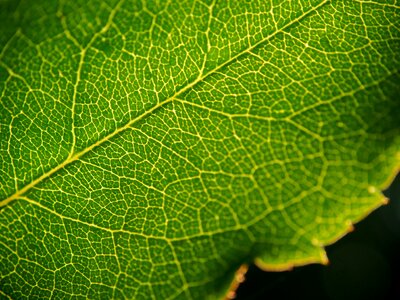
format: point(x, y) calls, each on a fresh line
point(77, 155)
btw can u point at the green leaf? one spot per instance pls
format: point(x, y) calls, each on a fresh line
point(149, 148)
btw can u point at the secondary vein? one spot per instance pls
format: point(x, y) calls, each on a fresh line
point(77, 155)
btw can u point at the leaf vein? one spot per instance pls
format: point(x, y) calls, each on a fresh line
point(77, 156)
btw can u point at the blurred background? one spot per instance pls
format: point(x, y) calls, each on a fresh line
point(365, 264)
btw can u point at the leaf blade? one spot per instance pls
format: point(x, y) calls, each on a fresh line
point(226, 169)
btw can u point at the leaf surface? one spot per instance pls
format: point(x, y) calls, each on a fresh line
point(149, 148)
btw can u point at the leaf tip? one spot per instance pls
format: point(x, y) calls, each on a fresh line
point(350, 226)
point(385, 200)
point(324, 259)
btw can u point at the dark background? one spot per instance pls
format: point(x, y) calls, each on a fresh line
point(365, 264)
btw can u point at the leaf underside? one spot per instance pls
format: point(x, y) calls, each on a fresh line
point(148, 148)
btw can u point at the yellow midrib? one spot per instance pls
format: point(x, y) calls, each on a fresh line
point(77, 155)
